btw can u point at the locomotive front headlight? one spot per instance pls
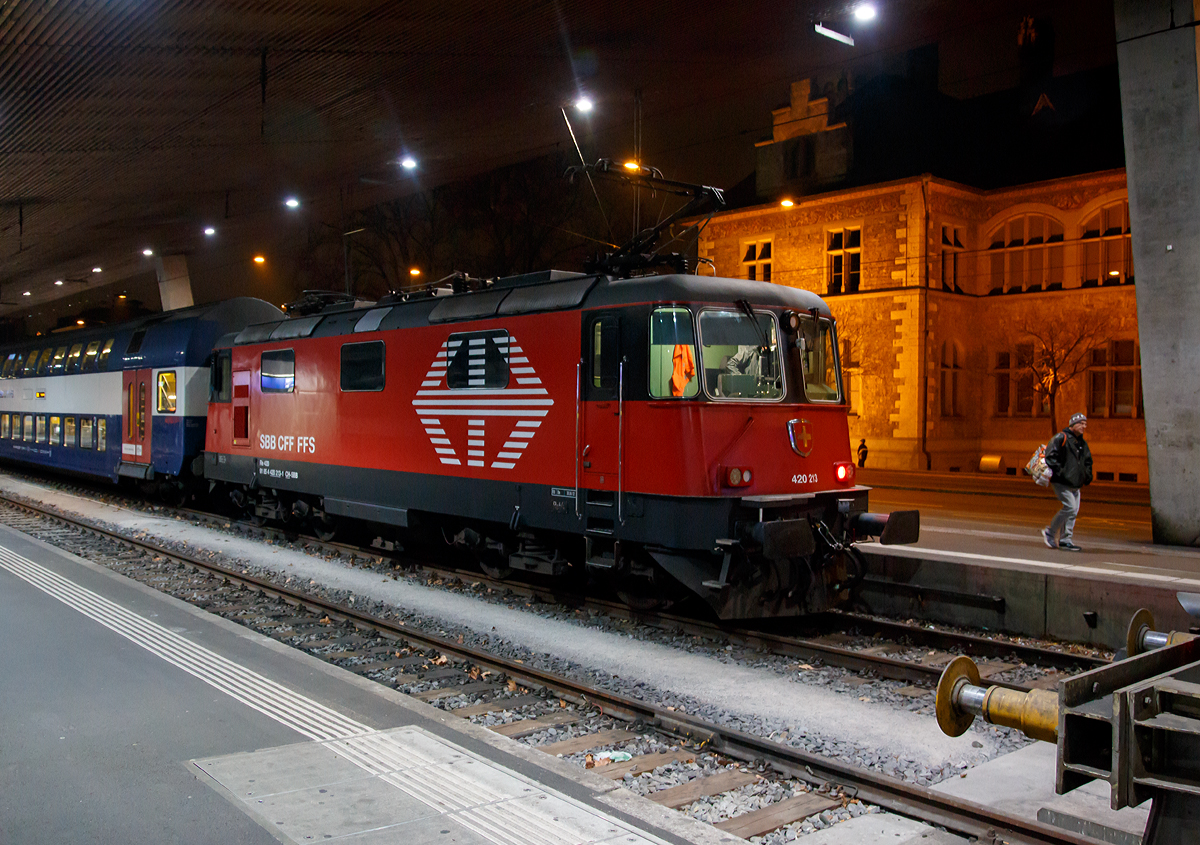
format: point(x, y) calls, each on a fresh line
point(745, 476)
point(735, 476)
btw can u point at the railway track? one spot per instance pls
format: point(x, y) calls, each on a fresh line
point(521, 700)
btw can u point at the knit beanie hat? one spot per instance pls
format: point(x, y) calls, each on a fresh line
point(1076, 418)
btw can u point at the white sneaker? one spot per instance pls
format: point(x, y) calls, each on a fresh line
point(1050, 544)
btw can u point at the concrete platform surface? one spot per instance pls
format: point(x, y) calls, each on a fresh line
point(131, 717)
point(1022, 783)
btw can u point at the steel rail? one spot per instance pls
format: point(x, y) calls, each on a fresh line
point(907, 799)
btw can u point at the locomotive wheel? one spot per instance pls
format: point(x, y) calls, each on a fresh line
point(325, 531)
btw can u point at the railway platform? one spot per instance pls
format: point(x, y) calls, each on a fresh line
point(981, 560)
point(130, 716)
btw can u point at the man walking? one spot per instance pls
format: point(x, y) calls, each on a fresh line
point(1069, 461)
point(862, 452)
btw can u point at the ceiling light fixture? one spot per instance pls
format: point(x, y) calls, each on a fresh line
point(96, 270)
point(631, 165)
point(147, 252)
point(120, 296)
point(292, 202)
point(58, 282)
point(414, 271)
point(864, 12)
point(836, 36)
point(209, 231)
point(27, 293)
point(258, 259)
point(584, 104)
point(786, 203)
point(79, 322)
point(408, 162)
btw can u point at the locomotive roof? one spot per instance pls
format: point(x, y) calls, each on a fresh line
point(533, 293)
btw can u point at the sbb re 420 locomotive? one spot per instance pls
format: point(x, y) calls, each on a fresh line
point(665, 425)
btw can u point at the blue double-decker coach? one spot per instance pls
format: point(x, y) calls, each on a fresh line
point(122, 400)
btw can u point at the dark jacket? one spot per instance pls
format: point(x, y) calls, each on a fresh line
point(1069, 457)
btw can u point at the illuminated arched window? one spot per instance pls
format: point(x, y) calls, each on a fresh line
point(1027, 254)
point(951, 371)
point(1106, 248)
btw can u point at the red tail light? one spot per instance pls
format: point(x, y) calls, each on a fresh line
point(843, 471)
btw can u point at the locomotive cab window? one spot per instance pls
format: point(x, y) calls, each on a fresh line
point(673, 370)
point(362, 366)
point(817, 346)
point(166, 392)
point(278, 371)
point(740, 355)
point(606, 354)
point(477, 360)
point(221, 377)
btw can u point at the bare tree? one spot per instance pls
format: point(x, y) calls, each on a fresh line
point(1059, 353)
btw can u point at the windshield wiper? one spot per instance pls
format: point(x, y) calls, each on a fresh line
point(759, 330)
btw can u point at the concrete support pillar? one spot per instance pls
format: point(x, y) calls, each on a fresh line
point(174, 284)
point(1160, 105)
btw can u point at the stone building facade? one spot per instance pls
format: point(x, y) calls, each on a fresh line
point(951, 302)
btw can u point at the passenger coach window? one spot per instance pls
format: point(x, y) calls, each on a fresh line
point(278, 371)
point(4, 427)
point(69, 432)
point(44, 361)
point(362, 366)
point(477, 360)
point(85, 433)
point(820, 363)
point(8, 365)
point(672, 354)
point(56, 431)
point(221, 377)
point(73, 358)
point(89, 357)
point(102, 360)
point(135, 342)
point(740, 355)
point(41, 428)
point(59, 362)
point(31, 363)
point(166, 392)
point(28, 427)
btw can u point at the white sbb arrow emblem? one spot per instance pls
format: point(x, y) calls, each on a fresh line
point(482, 376)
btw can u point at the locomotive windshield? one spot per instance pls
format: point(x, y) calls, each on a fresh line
point(740, 356)
point(818, 361)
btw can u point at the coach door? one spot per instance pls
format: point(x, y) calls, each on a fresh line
point(137, 393)
point(600, 444)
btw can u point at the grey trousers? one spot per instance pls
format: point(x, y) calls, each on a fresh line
point(1063, 525)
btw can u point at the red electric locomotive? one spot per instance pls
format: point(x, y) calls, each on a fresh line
point(632, 427)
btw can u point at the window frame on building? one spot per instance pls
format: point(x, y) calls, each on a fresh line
point(843, 260)
point(1105, 249)
point(757, 259)
point(1108, 366)
point(950, 379)
point(1029, 260)
point(951, 250)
